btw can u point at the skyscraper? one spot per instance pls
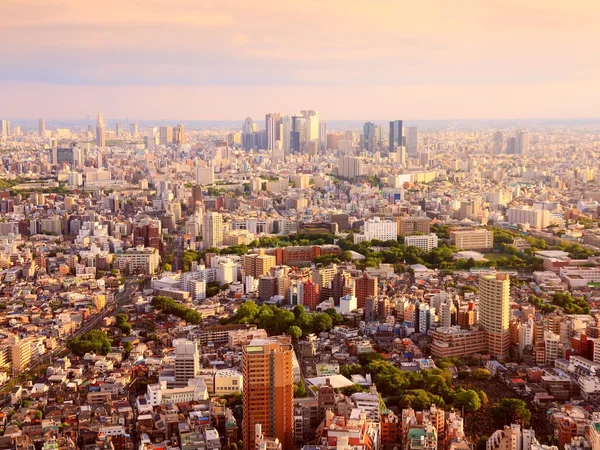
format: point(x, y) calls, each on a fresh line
point(494, 312)
point(178, 135)
point(298, 141)
point(165, 135)
point(268, 395)
point(312, 125)
point(133, 129)
point(286, 129)
point(248, 134)
point(522, 142)
point(396, 138)
point(272, 123)
point(322, 136)
point(212, 230)
point(42, 128)
point(100, 130)
point(4, 127)
point(412, 141)
point(369, 141)
point(498, 142)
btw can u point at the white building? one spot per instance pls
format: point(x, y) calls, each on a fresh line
point(384, 230)
point(159, 394)
point(205, 175)
point(228, 381)
point(426, 242)
point(577, 276)
point(348, 303)
point(536, 218)
point(212, 230)
point(228, 271)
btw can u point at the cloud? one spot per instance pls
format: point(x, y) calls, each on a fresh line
point(312, 44)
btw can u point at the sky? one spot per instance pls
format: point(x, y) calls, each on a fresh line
point(349, 59)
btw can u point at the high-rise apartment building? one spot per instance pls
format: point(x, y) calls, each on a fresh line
point(365, 286)
point(42, 128)
point(268, 395)
point(212, 230)
point(100, 130)
point(187, 361)
point(396, 138)
point(494, 312)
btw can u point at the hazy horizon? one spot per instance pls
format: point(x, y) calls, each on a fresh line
point(347, 59)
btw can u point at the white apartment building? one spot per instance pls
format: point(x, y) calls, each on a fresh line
point(197, 290)
point(425, 242)
point(537, 218)
point(384, 230)
point(139, 259)
point(212, 230)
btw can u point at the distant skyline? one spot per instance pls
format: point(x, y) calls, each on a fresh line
point(350, 60)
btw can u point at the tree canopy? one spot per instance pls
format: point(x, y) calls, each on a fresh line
point(94, 341)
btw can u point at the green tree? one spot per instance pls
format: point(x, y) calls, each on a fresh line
point(295, 331)
point(300, 389)
point(481, 374)
point(511, 410)
point(94, 341)
point(39, 414)
point(322, 322)
point(467, 399)
point(167, 267)
point(127, 348)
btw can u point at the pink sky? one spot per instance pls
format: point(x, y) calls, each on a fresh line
point(348, 59)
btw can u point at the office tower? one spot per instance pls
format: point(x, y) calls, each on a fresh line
point(212, 230)
point(4, 128)
point(268, 390)
point(286, 129)
point(272, 123)
point(133, 129)
point(365, 286)
point(165, 135)
point(298, 135)
point(248, 134)
point(498, 142)
point(412, 141)
point(322, 136)
point(119, 129)
point(178, 135)
point(312, 125)
point(187, 361)
point(396, 138)
point(42, 128)
point(64, 155)
point(511, 145)
point(494, 312)
point(100, 131)
point(369, 141)
point(522, 142)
